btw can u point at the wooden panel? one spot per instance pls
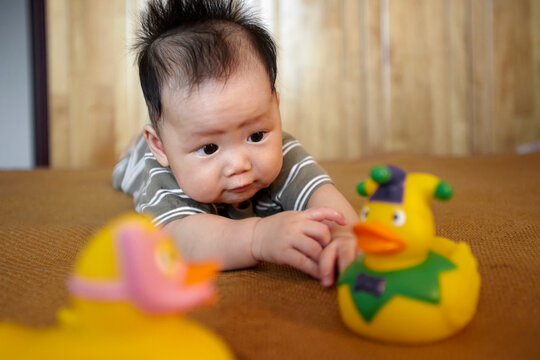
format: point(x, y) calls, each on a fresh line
point(376, 52)
point(57, 68)
point(310, 106)
point(513, 66)
point(460, 115)
point(353, 76)
point(532, 128)
point(430, 105)
point(410, 115)
point(131, 113)
point(481, 18)
point(92, 112)
point(356, 77)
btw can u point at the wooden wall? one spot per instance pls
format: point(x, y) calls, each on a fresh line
point(357, 77)
point(95, 102)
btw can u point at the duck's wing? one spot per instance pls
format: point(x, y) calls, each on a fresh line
point(461, 286)
point(458, 252)
point(444, 246)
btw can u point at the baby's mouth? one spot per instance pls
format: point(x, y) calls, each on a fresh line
point(242, 189)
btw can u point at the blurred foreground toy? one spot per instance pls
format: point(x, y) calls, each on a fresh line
point(409, 285)
point(128, 287)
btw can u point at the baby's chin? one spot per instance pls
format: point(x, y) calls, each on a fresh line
point(233, 198)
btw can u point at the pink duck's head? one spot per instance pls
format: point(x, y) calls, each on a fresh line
point(131, 260)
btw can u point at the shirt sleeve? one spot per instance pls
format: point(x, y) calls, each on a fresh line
point(154, 189)
point(300, 176)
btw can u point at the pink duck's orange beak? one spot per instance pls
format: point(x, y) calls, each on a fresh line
point(202, 274)
point(199, 272)
point(377, 238)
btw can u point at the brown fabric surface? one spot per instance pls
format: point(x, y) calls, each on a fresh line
point(276, 312)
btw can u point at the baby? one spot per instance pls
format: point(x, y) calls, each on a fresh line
point(214, 167)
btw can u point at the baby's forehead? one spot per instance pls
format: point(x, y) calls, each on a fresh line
point(179, 94)
point(245, 93)
point(245, 73)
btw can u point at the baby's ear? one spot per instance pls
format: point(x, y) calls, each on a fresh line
point(155, 145)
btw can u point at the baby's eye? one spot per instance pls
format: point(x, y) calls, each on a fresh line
point(208, 149)
point(256, 137)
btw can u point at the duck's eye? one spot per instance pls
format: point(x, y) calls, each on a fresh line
point(208, 149)
point(256, 137)
point(399, 217)
point(166, 257)
point(364, 213)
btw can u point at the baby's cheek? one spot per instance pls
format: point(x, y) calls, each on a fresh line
point(200, 185)
point(272, 165)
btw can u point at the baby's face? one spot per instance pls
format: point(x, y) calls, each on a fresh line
point(223, 141)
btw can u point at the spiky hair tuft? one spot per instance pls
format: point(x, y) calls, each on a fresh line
point(185, 42)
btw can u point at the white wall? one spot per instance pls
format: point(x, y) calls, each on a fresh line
point(16, 104)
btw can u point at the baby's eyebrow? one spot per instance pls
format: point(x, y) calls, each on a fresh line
point(218, 131)
point(208, 132)
point(250, 121)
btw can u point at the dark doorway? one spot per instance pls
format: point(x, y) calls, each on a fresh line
point(39, 69)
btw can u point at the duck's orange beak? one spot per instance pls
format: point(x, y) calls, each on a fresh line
point(377, 238)
point(201, 272)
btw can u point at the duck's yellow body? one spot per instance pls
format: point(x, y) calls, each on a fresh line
point(407, 320)
point(114, 331)
point(409, 286)
point(122, 312)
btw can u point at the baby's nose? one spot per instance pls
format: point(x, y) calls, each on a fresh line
point(238, 162)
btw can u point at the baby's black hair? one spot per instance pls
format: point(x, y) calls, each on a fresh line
point(185, 42)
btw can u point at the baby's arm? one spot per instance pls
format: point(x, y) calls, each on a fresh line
point(342, 249)
point(291, 237)
point(204, 236)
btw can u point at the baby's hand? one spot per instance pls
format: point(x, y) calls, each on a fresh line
point(341, 251)
point(296, 238)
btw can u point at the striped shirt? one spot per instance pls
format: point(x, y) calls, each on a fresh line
point(156, 191)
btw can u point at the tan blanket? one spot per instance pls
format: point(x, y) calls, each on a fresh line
point(276, 312)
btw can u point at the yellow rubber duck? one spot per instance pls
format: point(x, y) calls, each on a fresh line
point(128, 287)
point(409, 285)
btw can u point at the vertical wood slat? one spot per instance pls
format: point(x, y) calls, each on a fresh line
point(357, 77)
point(321, 72)
point(513, 92)
point(429, 101)
point(94, 107)
point(58, 83)
point(460, 101)
point(353, 74)
point(505, 72)
point(410, 69)
point(532, 128)
point(131, 112)
point(481, 19)
point(376, 111)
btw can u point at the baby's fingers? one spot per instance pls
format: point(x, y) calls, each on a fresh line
point(346, 254)
point(319, 232)
point(301, 262)
point(327, 265)
point(308, 247)
point(324, 213)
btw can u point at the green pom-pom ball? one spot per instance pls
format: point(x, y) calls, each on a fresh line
point(380, 174)
point(444, 191)
point(361, 188)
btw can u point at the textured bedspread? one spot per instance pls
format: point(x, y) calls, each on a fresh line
point(276, 312)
